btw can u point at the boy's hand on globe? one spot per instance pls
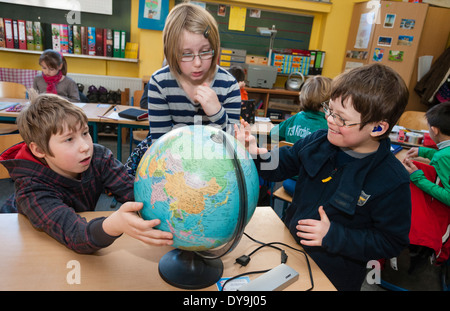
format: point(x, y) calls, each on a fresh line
point(125, 220)
point(244, 135)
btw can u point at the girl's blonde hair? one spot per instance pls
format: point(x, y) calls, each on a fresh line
point(192, 18)
point(47, 115)
point(314, 92)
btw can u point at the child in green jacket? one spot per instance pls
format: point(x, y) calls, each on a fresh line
point(438, 118)
point(311, 117)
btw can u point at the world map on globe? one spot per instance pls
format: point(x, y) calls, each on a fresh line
point(189, 180)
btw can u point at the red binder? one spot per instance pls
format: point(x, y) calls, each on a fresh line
point(99, 50)
point(9, 37)
point(22, 35)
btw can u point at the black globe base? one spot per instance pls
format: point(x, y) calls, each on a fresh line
point(188, 270)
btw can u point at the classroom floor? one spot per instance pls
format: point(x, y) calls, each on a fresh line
point(427, 277)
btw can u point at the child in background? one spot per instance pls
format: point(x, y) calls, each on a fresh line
point(239, 74)
point(58, 172)
point(427, 231)
point(352, 201)
point(192, 89)
point(53, 79)
point(311, 117)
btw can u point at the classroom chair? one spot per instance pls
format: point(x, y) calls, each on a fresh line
point(413, 120)
point(281, 193)
point(137, 136)
point(11, 90)
point(7, 141)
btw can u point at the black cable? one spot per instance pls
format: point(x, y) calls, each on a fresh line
point(283, 260)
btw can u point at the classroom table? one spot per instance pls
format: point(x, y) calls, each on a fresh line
point(112, 116)
point(32, 260)
point(93, 111)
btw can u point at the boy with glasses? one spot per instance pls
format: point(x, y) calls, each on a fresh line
point(192, 89)
point(352, 199)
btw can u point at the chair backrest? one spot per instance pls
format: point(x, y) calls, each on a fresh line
point(413, 120)
point(12, 90)
point(7, 141)
point(137, 97)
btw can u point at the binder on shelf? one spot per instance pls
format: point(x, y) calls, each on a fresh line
point(22, 34)
point(37, 34)
point(76, 39)
point(2, 33)
point(108, 42)
point(70, 38)
point(116, 51)
point(132, 50)
point(9, 37)
point(84, 41)
point(15, 34)
point(64, 38)
point(99, 51)
point(134, 114)
point(29, 35)
point(56, 37)
point(91, 40)
point(122, 43)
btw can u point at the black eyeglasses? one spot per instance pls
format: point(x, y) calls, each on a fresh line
point(188, 57)
point(337, 118)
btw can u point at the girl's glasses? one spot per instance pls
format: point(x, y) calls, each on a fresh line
point(337, 118)
point(202, 55)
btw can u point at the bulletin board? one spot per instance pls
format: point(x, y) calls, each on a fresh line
point(293, 31)
point(391, 38)
point(398, 36)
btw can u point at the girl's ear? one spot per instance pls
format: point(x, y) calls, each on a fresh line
point(36, 150)
point(380, 128)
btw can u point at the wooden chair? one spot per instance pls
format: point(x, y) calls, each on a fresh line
point(281, 193)
point(7, 141)
point(12, 90)
point(413, 120)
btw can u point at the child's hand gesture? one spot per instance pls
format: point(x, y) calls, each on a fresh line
point(244, 136)
point(409, 165)
point(208, 99)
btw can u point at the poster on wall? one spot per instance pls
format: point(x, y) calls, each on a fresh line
point(153, 14)
point(364, 30)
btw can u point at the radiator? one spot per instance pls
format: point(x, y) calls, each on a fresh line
point(111, 83)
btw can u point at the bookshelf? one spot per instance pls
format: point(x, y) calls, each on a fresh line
point(116, 59)
point(266, 95)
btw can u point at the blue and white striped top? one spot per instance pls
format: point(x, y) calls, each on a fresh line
point(170, 107)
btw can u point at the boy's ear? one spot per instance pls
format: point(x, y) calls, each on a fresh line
point(36, 150)
point(435, 130)
point(379, 129)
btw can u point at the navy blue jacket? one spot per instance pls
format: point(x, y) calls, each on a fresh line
point(367, 201)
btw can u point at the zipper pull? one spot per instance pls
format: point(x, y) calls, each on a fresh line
point(325, 180)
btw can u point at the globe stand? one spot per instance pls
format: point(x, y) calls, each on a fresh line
point(188, 270)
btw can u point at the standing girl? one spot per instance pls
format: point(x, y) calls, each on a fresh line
point(192, 88)
point(53, 79)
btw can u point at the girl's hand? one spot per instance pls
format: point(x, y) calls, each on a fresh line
point(208, 99)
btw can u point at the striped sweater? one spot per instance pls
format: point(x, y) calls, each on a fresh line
point(170, 107)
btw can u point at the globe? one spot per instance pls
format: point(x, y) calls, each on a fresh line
point(204, 187)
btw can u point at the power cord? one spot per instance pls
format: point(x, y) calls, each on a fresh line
point(245, 259)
